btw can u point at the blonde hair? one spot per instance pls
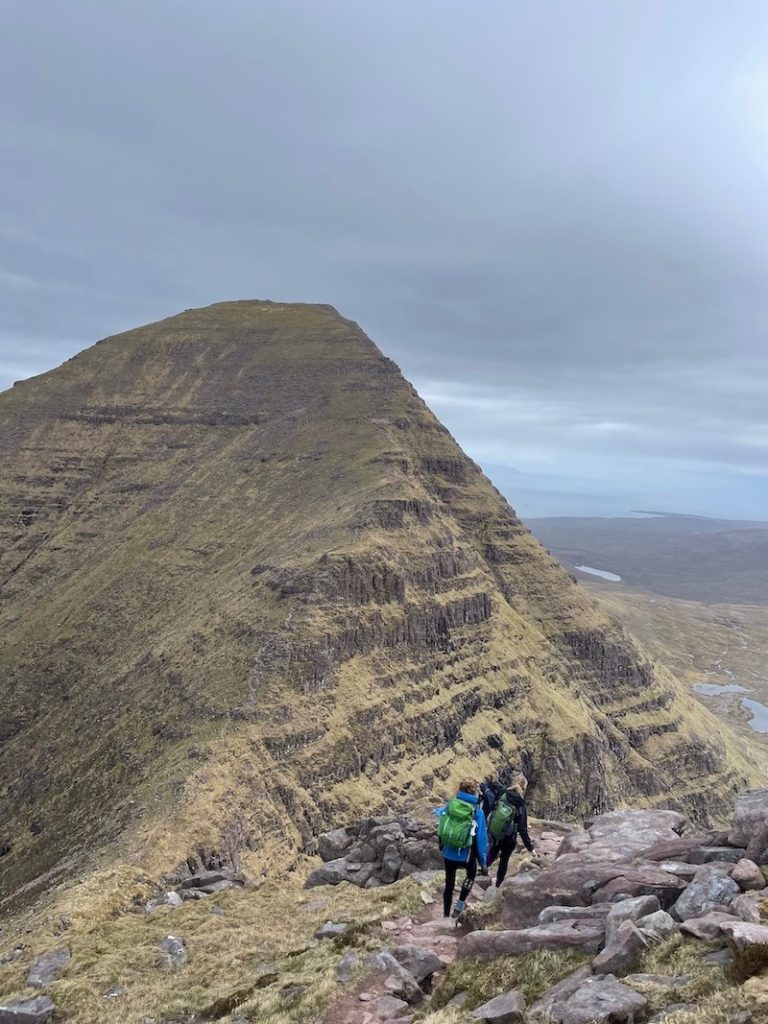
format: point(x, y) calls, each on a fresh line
point(519, 783)
point(469, 785)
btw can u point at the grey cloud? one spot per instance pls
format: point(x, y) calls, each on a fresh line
point(552, 216)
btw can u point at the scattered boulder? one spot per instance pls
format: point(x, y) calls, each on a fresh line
point(678, 849)
point(718, 854)
point(658, 926)
point(333, 845)
point(620, 836)
point(347, 966)
point(680, 869)
point(37, 1010)
point(749, 818)
point(757, 847)
point(747, 906)
point(12, 955)
point(748, 875)
point(389, 1007)
point(641, 881)
point(401, 983)
point(584, 935)
point(212, 881)
point(332, 930)
point(174, 952)
point(505, 1009)
point(168, 899)
point(600, 1000)
point(47, 967)
point(421, 963)
point(628, 910)
point(544, 1008)
point(745, 935)
point(711, 888)
point(620, 954)
point(706, 927)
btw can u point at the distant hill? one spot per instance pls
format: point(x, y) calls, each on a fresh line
point(690, 557)
point(250, 586)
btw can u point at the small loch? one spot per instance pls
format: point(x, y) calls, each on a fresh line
point(759, 712)
point(612, 577)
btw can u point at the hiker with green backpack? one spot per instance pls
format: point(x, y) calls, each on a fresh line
point(463, 840)
point(507, 820)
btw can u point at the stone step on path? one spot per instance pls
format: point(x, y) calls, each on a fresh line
point(362, 1004)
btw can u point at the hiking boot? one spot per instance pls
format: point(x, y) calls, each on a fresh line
point(460, 904)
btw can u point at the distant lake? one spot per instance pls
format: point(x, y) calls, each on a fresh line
point(612, 577)
point(759, 719)
point(713, 689)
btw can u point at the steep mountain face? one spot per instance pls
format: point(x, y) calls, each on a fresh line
point(249, 585)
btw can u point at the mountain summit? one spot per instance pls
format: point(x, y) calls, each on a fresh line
point(250, 586)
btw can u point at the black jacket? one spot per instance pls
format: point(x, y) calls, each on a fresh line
point(517, 825)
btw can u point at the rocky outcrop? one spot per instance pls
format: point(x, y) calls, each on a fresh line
point(375, 852)
point(588, 900)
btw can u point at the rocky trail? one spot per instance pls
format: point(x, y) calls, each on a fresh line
point(378, 995)
point(628, 883)
point(634, 919)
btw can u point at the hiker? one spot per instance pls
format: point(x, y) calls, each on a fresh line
point(463, 842)
point(508, 819)
point(489, 794)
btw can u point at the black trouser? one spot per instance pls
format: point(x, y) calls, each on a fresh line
point(503, 849)
point(451, 867)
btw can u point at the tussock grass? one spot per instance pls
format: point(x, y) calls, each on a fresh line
point(531, 975)
point(244, 949)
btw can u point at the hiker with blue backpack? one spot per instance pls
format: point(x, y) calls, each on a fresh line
point(508, 820)
point(463, 840)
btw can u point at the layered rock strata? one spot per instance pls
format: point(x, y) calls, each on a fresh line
point(249, 585)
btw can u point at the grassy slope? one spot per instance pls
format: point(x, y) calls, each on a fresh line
point(216, 633)
point(701, 643)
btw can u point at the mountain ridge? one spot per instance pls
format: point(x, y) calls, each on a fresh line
point(249, 581)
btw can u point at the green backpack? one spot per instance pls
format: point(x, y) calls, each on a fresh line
point(502, 814)
point(456, 824)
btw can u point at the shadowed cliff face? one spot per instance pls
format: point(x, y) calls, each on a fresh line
point(249, 585)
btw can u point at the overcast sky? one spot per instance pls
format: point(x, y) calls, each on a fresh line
point(552, 215)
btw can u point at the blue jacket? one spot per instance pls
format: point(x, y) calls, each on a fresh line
point(480, 837)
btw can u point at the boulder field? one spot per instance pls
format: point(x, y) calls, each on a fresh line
point(628, 881)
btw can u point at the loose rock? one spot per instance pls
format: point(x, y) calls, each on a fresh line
point(544, 1008)
point(27, 1011)
point(389, 1007)
point(505, 1009)
point(624, 949)
point(748, 875)
point(487, 945)
point(628, 910)
point(47, 967)
point(421, 963)
point(347, 966)
point(602, 1000)
point(332, 930)
point(750, 817)
point(658, 926)
point(706, 927)
point(710, 889)
point(174, 952)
